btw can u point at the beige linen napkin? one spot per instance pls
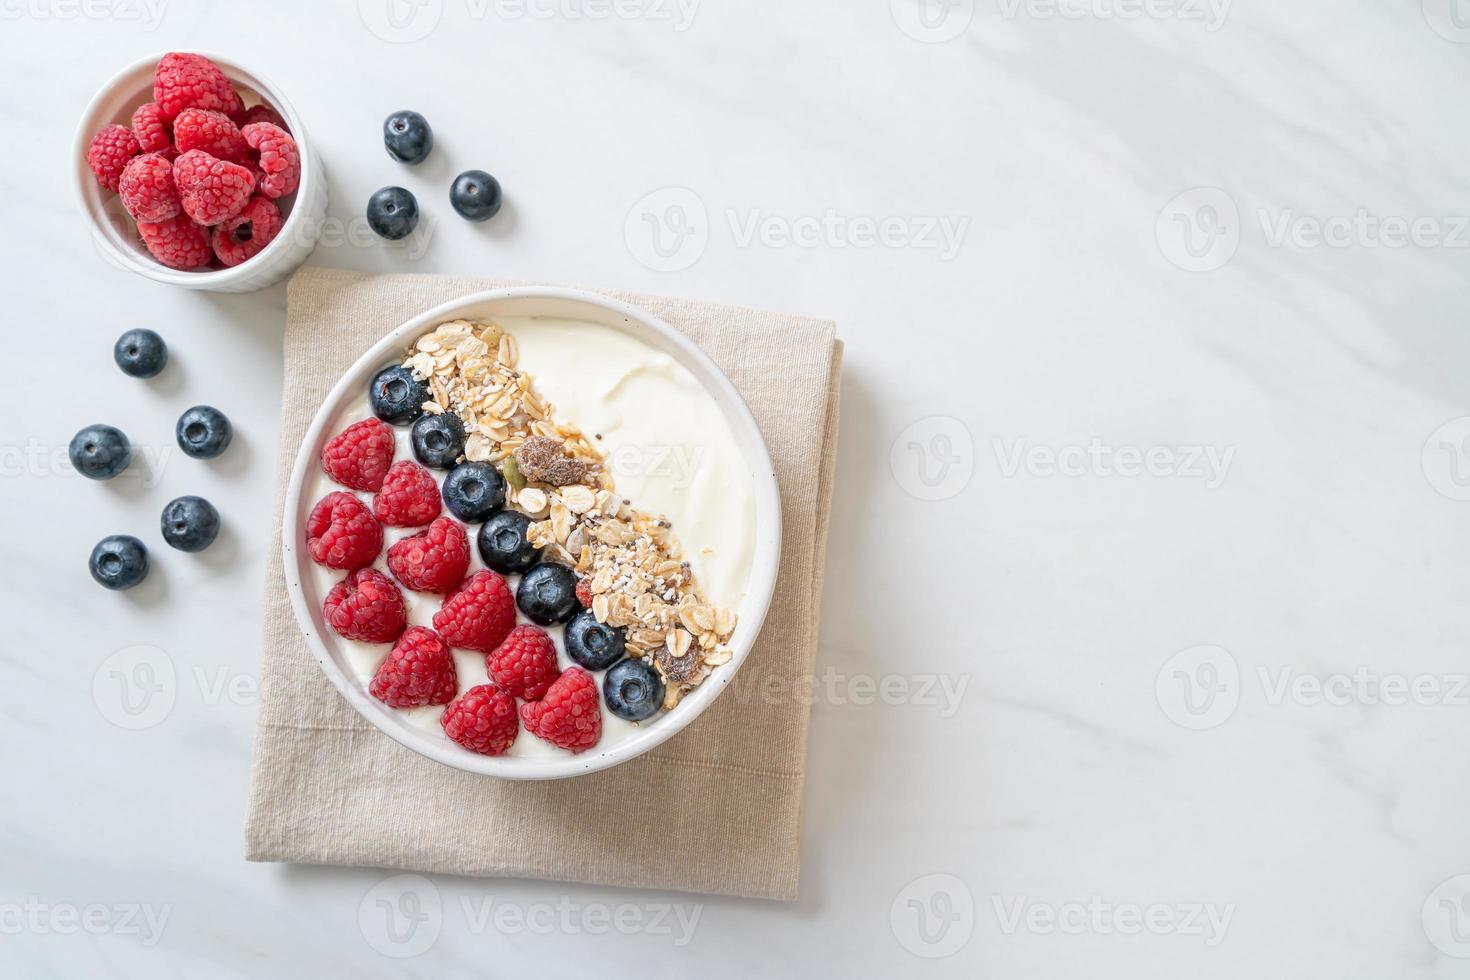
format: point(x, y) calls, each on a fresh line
point(715, 809)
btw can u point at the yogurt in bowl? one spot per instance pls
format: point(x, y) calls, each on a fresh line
point(669, 443)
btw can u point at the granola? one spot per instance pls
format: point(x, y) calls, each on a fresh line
point(559, 478)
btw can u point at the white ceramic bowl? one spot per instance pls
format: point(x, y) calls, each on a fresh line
point(533, 301)
point(113, 230)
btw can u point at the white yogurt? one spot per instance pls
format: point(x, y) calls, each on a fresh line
point(667, 443)
point(671, 452)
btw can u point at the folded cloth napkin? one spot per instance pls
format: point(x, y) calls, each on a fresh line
point(716, 808)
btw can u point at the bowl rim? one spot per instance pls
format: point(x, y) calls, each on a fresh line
point(84, 180)
point(765, 562)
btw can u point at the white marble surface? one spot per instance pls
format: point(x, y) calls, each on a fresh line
point(1221, 701)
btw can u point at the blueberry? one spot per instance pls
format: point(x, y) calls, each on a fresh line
point(100, 452)
point(593, 645)
point(408, 136)
point(189, 523)
point(504, 545)
point(397, 396)
point(119, 561)
point(438, 440)
point(474, 491)
point(203, 432)
point(633, 690)
point(141, 353)
point(393, 213)
point(548, 594)
point(475, 195)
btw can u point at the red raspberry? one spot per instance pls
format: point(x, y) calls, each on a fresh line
point(212, 190)
point(279, 160)
point(109, 153)
point(419, 670)
point(482, 719)
point(570, 716)
point(178, 242)
point(243, 236)
point(584, 592)
point(434, 560)
point(525, 664)
point(360, 455)
point(184, 81)
point(340, 533)
point(264, 113)
point(409, 498)
point(479, 615)
point(150, 129)
point(147, 188)
point(212, 132)
point(366, 606)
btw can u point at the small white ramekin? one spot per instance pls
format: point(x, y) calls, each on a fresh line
point(114, 231)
